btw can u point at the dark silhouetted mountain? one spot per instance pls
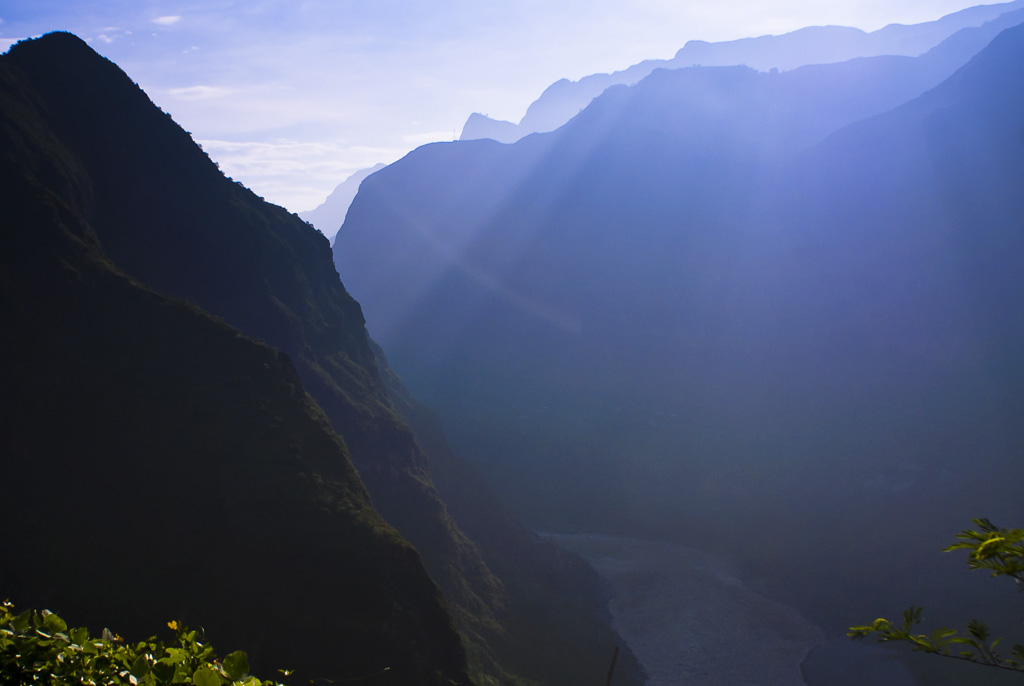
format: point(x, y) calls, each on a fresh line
point(156, 207)
point(715, 307)
point(330, 214)
point(167, 216)
point(159, 465)
point(563, 99)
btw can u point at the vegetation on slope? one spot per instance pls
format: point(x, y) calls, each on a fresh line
point(40, 648)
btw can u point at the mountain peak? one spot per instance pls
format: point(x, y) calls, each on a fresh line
point(55, 40)
point(56, 46)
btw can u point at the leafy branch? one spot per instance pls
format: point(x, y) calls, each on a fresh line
point(999, 550)
point(992, 548)
point(974, 646)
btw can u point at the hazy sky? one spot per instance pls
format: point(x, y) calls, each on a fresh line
point(292, 96)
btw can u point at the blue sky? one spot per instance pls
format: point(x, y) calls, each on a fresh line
point(292, 96)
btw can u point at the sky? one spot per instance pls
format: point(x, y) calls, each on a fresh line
point(290, 97)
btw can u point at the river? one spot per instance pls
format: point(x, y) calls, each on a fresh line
point(689, 620)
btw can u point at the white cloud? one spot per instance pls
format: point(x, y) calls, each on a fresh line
point(108, 34)
point(200, 92)
point(169, 20)
point(294, 174)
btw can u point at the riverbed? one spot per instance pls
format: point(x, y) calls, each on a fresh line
point(688, 618)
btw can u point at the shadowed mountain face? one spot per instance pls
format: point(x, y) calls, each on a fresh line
point(155, 208)
point(561, 101)
point(715, 307)
point(159, 465)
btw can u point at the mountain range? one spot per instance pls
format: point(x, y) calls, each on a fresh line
point(775, 315)
point(563, 99)
point(808, 46)
point(197, 426)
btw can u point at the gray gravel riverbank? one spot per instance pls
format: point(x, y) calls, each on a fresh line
point(688, 619)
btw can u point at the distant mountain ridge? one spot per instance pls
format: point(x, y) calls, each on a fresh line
point(563, 99)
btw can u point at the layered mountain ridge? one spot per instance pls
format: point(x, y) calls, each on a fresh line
point(563, 99)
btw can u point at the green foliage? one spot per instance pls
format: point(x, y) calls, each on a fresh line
point(39, 648)
point(992, 548)
point(999, 550)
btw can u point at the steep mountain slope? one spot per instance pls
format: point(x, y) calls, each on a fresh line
point(556, 612)
point(912, 222)
point(159, 465)
point(812, 45)
point(164, 214)
point(685, 314)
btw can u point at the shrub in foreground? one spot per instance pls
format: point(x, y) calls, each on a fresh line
point(39, 648)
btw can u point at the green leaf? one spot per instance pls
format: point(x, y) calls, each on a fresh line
point(977, 629)
point(53, 624)
point(205, 676)
point(163, 672)
point(79, 635)
point(22, 622)
point(140, 667)
point(236, 665)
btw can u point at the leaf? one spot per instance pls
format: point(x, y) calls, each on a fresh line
point(53, 624)
point(140, 667)
point(22, 622)
point(79, 635)
point(176, 655)
point(978, 629)
point(236, 665)
point(205, 676)
point(163, 672)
